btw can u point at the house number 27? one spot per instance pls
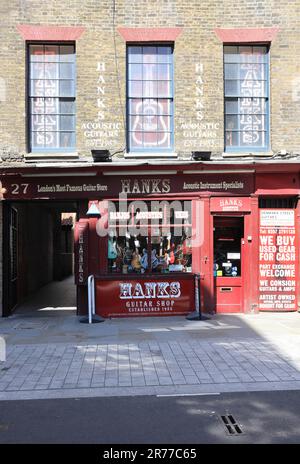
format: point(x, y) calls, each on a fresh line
point(19, 188)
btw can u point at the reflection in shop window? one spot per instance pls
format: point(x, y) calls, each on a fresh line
point(155, 239)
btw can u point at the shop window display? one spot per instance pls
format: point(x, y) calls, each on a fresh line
point(152, 241)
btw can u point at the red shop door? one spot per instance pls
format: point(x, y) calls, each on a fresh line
point(228, 263)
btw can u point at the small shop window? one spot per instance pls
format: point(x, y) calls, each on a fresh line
point(155, 237)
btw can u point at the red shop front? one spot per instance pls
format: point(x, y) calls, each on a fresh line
point(236, 229)
point(148, 248)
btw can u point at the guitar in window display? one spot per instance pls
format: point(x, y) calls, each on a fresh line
point(112, 249)
point(144, 260)
point(136, 260)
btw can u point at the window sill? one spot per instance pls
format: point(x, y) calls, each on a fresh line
point(247, 154)
point(150, 155)
point(55, 156)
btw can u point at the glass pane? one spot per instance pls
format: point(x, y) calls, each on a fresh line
point(230, 49)
point(231, 87)
point(164, 106)
point(259, 89)
point(245, 53)
point(37, 88)
point(135, 89)
point(51, 105)
point(227, 249)
point(67, 139)
point(149, 89)
point(164, 54)
point(150, 123)
point(36, 53)
point(151, 107)
point(246, 138)
point(67, 123)
point(135, 106)
point(51, 71)
point(164, 89)
point(260, 54)
point(51, 53)
point(246, 88)
point(51, 88)
point(66, 88)
point(150, 139)
point(164, 123)
point(231, 139)
point(258, 122)
point(163, 72)
point(51, 139)
point(246, 122)
point(135, 55)
point(136, 139)
point(164, 139)
point(231, 122)
point(66, 71)
point(37, 105)
point(258, 105)
point(136, 123)
point(67, 53)
point(231, 71)
point(231, 106)
point(149, 72)
point(231, 54)
point(135, 71)
point(37, 70)
point(37, 122)
point(149, 55)
point(246, 105)
point(38, 139)
point(51, 122)
point(67, 106)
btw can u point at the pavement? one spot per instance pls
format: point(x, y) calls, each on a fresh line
point(50, 354)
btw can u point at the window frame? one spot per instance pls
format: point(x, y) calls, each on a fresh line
point(44, 150)
point(156, 149)
point(250, 148)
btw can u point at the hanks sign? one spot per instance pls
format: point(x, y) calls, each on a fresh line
point(153, 296)
point(150, 290)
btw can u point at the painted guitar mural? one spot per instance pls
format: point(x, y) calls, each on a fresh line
point(150, 126)
point(145, 128)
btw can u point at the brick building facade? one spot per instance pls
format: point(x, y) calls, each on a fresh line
point(198, 67)
point(195, 45)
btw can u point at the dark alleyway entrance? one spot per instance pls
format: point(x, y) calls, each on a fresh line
point(38, 255)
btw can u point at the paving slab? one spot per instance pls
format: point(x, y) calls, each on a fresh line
point(140, 356)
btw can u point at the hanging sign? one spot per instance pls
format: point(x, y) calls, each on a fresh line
point(277, 260)
point(81, 251)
